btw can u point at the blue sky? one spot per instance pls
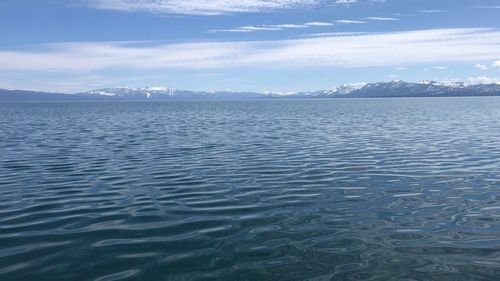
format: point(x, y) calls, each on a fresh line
point(246, 45)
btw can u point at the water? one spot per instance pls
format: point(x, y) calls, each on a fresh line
point(377, 189)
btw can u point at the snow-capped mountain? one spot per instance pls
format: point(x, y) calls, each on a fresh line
point(345, 89)
point(165, 93)
point(133, 93)
point(358, 90)
point(424, 89)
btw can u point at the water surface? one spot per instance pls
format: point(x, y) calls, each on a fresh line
point(368, 189)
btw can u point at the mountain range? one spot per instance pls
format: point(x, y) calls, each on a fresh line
point(358, 90)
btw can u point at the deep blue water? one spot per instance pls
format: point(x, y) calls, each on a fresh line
point(368, 189)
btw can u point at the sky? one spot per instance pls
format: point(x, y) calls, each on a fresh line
point(247, 45)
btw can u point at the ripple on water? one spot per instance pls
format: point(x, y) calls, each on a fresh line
point(392, 189)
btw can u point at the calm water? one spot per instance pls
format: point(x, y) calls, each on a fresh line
point(382, 189)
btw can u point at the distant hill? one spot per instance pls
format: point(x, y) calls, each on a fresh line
point(359, 90)
point(18, 95)
point(423, 89)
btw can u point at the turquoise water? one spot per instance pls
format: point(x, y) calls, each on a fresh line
point(375, 189)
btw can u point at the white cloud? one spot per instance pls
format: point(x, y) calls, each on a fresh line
point(381, 19)
point(431, 11)
point(350, 21)
point(346, 1)
point(273, 27)
point(289, 25)
point(438, 67)
point(356, 1)
point(334, 34)
point(259, 28)
point(230, 30)
point(402, 68)
point(487, 7)
point(199, 7)
point(484, 80)
point(496, 63)
point(348, 50)
point(481, 66)
point(316, 23)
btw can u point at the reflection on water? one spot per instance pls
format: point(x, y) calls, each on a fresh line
point(386, 189)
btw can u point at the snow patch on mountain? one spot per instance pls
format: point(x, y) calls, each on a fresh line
point(353, 90)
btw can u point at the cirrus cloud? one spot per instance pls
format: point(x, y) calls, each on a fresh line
point(199, 7)
point(418, 47)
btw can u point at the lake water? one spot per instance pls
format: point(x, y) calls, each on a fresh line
point(355, 189)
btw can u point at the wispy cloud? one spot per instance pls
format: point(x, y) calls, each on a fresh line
point(365, 50)
point(259, 28)
point(236, 30)
point(487, 7)
point(439, 67)
point(431, 11)
point(349, 2)
point(213, 7)
point(199, 7)
point(273, 27)
point(334, 34)
point(345, 1)
point(350, 21)
point(381, 19)
point(316, 23)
